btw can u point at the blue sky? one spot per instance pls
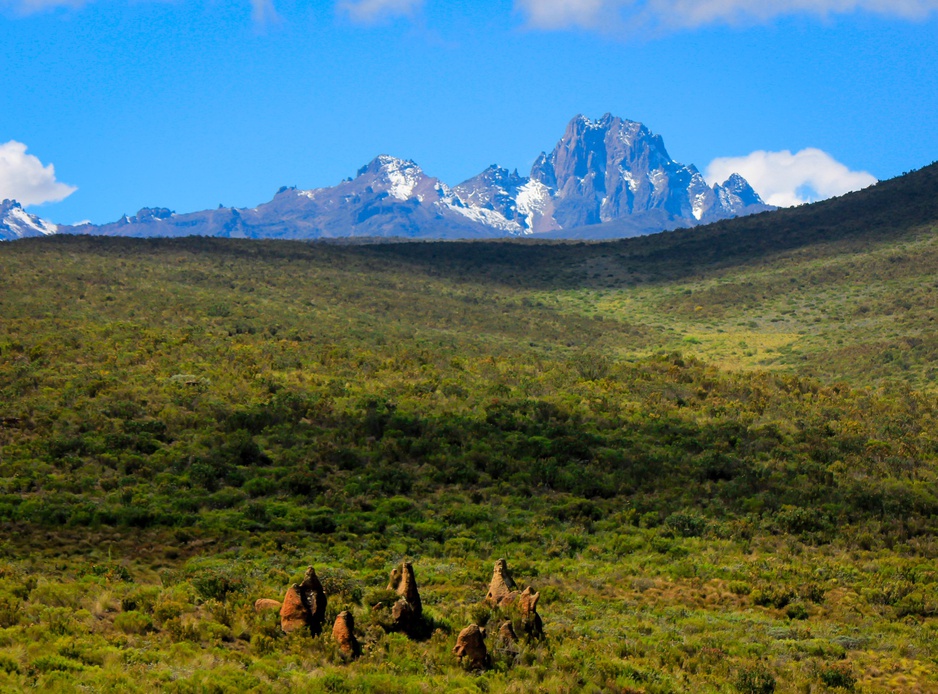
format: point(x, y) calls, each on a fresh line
point(190, 104)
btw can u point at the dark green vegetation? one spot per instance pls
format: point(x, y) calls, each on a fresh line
point(713, 451)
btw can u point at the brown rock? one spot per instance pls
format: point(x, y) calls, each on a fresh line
point(314, 597)
point(502, 585)
point(265, 604)
point(506, 635)
point(403, 614)
point(407, 588)
point(343, 631)
point(395, 578)
point(528, 602)
point(470, 647)
point(304, 605)
point(293, 614)
point(530, 619)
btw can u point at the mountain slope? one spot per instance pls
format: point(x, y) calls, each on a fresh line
point(613, 169)
point(609, 170)
point(17, 223)
point(718, 468)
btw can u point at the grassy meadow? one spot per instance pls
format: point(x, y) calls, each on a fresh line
point(712, 451)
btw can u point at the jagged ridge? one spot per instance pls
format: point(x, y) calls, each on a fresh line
point(600, 171)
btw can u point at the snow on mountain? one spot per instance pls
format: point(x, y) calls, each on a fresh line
point(17, 223)
point(610, 169)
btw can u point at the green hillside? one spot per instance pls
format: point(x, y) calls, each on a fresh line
point(713, 451)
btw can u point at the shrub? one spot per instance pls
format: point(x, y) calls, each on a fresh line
point(772, 596)
point(133, 622)
point(755, 680)
point(739, 588)
point(168, 609)
point(212, 585)
point(837, 676)
point(53, 663)
point(9, 611)
point(261, 644)
point(8, 664)
point(686, 524)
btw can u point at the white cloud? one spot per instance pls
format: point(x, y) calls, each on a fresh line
point(263, 11)
point(786, 179)
point(23, 177)
point(558, 14)
point(373, 10)
point(685, 14)
point(32, 6)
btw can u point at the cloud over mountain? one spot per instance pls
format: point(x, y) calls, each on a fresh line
point(785, 179)
point(25, 179)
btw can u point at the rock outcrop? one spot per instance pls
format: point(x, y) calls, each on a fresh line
point(407, 611)
point(266, 604)
point(470, 648)
point(502, 587)
point(403, 614)
point(343, 631)
point(407, 588)
point(530, 619)
point(304, 605)
point(601, 171)
point(395, 580)
point(507, 638)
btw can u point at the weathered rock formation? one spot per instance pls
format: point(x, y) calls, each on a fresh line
point(530, 619)
point(407, 588)
point(304, 605)
point(502, 586)
point(266, 604)
point(408, 609)
point(403, 614)
point(470, 648)
point(343, 631)
point(395, 581)
point(507, 638)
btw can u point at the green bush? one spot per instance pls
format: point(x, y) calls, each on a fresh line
point(837, 677)
point(56, 663)
point(755, 680)
point(8, 664)
point(133, 622)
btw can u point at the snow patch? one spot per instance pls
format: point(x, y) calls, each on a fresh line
point(403, 176)
point(699, 205)
point(491, 218)
point(532, 200)
point(23, 224)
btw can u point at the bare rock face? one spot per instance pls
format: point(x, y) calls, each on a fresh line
point(293, 613)
point(395, 580)
point(266, 604)
point(407, 610)
point(502, 585)
point(403, 614)
point(304, 605)
point(530, 619)
point(470, 648)
point(507, 638)
point(343, 631)
point(407, 588)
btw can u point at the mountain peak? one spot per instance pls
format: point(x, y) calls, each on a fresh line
point(602, 170)
point(17, 223)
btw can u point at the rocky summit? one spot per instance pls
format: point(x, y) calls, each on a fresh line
point(17, 223)
point(605, 178)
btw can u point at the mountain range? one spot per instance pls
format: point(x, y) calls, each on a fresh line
point(609, 177)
